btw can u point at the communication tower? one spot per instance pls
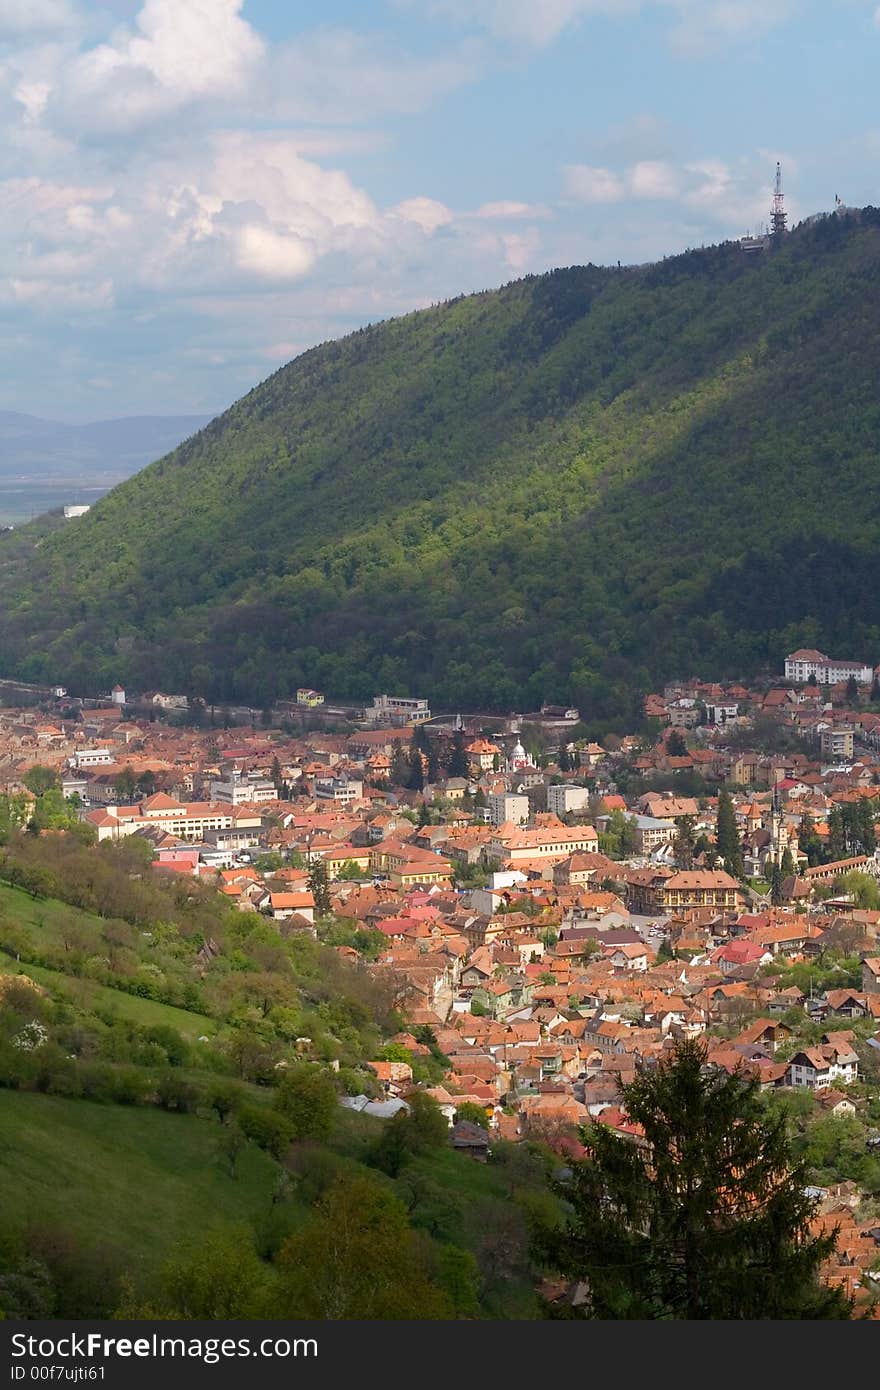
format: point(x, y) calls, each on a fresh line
point(778, 217)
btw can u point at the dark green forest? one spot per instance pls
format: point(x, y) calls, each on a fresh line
point(566, 490)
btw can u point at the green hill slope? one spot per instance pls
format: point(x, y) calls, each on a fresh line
point(564, 489)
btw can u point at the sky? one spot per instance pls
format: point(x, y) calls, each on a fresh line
point(192, 192)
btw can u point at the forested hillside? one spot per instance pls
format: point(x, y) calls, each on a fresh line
point(565, 489)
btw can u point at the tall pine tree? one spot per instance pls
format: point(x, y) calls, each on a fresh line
point(837, 841)
point(727, 841)
point(701, 1214)
point(319, 887)
point(809, 840)
point(776, 885)
point(458, 758)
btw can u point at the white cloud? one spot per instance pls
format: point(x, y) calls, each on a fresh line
point(273, 255)
point(178, 53)
point(535, 22)
point(733, 197)
point(653, 178)
point(339, 75)
point(588, 185)
point(426, 213)
point(511, 211)
point(25, 17)
point(706, 24)
point(177, 190)
point(33, 96)
point(521, 248)
point(648, 179)
point(698, 24)
point(48, 296)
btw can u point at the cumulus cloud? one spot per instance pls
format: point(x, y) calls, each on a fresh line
point(733, 196)
point(177, 53)
point(697, 24)
point(536, 22)
point(426, 213)
point(511, 211)
point(704, 24)
point(182, 201)
point(20, 18)
point(273, 255)
point(586, 184)
point(341, 75)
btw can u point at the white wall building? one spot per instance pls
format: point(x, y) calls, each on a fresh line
point(508, 806)
point(91, 757)
point(806, 662)
point(564, 799)
point(242, 791)
point(340, 790)
point(721, 712)
point(401, 709)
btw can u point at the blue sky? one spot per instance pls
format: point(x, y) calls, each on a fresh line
point(193, 191)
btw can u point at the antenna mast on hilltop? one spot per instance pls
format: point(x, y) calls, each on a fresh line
point(778, 217)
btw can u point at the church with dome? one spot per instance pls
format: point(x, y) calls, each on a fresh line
point(518, 759)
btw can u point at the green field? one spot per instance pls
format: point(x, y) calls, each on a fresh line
point(45, 914)
point(128, 1180)
point(92, 997)
point(42, 918)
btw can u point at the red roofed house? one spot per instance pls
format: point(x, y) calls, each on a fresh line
point(736, 954)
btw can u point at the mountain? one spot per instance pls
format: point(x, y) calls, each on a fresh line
point(565, 489)
point(29, 445)
point(45, 464)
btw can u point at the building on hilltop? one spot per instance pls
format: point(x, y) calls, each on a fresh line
point(807, 662)
point(397, 709)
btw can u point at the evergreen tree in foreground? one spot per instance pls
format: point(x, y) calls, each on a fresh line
point(776, 885)
point(320, 887)
point(705, 1218)
point(727, 837)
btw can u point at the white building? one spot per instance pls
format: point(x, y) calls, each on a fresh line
point(508, 806)
point(91, 757)
point(837, 742)
point(242, 791)
point(818, 1067)
point(397, 709)
point(652, 832)
point(721, 712)
point(564, 799)
point(76, 509)
point(806, 662)
point(340, 790)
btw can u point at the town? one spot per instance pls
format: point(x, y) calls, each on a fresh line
point(556, 909)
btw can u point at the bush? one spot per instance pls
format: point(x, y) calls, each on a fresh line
point(57, 1074)
point(129, 1087)
point(174, 1093)
point(98, 1081)
point(224, 1099)
point(410, 1133)
point(267, 1128)
point(307, 1098)
point(175, 1048)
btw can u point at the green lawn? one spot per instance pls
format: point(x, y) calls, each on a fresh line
point(90, 996)
point(46, 914)
point(42, 919)
point(131, 1180)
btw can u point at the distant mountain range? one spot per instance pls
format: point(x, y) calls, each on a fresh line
point(41, 450)
point(567, 489)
